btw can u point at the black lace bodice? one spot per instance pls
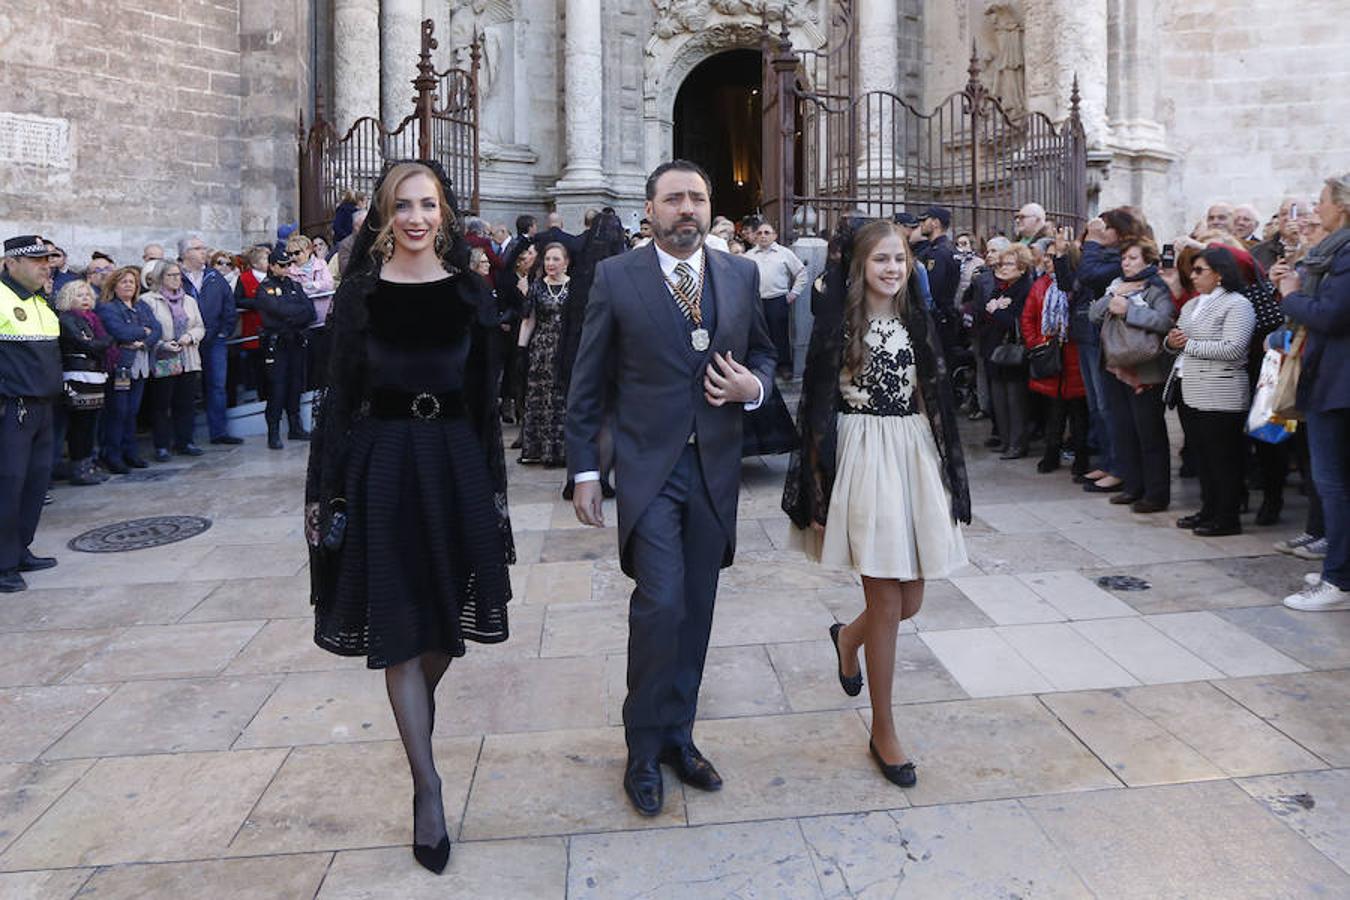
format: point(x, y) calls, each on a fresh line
point(885, 385)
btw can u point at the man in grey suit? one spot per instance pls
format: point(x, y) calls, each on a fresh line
point(666, 329)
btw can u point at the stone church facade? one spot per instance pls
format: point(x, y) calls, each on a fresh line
point(123, 121)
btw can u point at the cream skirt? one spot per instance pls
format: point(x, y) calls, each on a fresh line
point(890, 515)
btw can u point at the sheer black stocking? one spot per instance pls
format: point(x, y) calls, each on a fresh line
point(434, 665)
point(410, 694)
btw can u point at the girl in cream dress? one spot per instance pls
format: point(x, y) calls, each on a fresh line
point(879, 485)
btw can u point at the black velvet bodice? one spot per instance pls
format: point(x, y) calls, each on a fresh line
point(419, 337)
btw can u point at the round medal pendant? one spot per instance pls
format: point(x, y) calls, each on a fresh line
point(21, 314)
point(700, 339)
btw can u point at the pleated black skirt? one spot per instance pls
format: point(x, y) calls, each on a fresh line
point(423, 566)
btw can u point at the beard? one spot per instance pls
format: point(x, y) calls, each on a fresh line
point(679, 235)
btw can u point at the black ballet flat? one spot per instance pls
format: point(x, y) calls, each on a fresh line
point(433, 859)
point(902, 775)
point(852, 685)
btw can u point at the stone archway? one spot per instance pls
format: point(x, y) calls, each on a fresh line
point(718, 124)
point(682, 40)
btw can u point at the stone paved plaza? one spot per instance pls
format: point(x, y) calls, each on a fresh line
point(167, 729)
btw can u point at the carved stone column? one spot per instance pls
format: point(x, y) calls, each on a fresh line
point(878, 30)
point(400, 41)
point(583, 87)
point(356, 53)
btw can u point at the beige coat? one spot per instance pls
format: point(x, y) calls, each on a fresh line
point(196, 330)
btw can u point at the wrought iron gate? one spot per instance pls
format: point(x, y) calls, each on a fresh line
point(443, 126)
point(832, 149)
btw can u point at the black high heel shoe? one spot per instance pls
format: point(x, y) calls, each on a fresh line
point(902, 775)
point(433, 858)
point(851, 685)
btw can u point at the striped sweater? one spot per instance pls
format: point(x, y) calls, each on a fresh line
point(1213, 365)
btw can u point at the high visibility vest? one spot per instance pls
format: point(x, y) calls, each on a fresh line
point(30, 350)
point(28, 319)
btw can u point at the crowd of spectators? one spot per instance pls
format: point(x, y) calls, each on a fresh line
point(1083, 342)
point(1077, 345)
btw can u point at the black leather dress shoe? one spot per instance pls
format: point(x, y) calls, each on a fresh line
point(902, 775)
point(692, 768)
point(1124, 499)
point(1194, 520)
point(1214, 529)
point(642, 783)
point(136, 462)
point(30, 563)
point(1146, 506)
point(11, 582)
point(229, 439)
point(189, 450)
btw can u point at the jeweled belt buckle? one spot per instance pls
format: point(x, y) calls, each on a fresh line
point(420, 408)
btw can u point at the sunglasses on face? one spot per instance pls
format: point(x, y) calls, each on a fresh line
point(1198, 269)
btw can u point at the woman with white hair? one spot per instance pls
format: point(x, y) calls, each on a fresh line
point(84, 361)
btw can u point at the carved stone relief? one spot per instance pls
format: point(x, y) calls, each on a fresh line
point(1004, 57)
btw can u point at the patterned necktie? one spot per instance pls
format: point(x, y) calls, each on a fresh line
point(686, 293)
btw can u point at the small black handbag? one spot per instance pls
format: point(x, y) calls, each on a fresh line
point(1046, 360)
point(1010, 354)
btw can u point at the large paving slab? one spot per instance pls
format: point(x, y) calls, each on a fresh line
point(990, 849)
point(1207, 839)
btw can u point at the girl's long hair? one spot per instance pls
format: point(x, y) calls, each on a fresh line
point(865, 240)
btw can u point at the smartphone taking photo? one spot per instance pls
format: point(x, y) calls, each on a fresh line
point(1169, 256)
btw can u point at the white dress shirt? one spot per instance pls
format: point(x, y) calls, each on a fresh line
point(668, 264)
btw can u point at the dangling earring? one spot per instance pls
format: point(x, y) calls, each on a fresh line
point(440, 242)
point(387, 247)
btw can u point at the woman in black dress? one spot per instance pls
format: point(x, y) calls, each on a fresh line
point(541, 432)
point(406, 495)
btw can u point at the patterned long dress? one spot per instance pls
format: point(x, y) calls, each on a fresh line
point(541, 436)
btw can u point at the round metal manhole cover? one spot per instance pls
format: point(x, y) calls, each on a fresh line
point(1123, 583)
point(138, 534)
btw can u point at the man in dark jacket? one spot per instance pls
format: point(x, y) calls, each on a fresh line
point(554, 234)
point(938, 257)
point(215, 300)
point(286, 316)
point(30, 383)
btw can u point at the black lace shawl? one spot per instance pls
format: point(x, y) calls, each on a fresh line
point(811, 471)
point(341, 402)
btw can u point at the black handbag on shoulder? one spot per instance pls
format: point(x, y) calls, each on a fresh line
point(1010, 354)
point(1046, 360)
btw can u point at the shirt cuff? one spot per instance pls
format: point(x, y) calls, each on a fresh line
point(583, 477)
point(759, 401)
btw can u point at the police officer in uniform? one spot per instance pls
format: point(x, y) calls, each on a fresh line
point(30, 383)
point(286, 316)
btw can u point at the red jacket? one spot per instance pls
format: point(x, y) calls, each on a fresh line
point(1068, 384)
point(250, 323)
